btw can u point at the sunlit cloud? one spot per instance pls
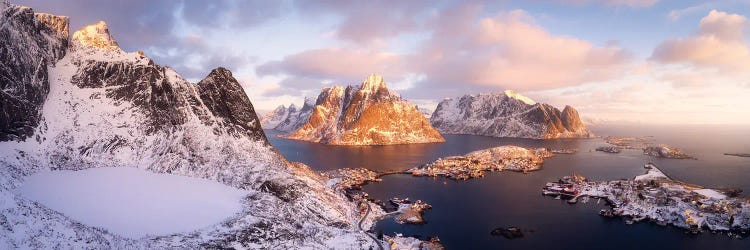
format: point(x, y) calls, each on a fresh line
point(719, 42)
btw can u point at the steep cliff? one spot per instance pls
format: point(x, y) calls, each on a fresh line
point(369, 114)
point(24, 58)
point(507, 114)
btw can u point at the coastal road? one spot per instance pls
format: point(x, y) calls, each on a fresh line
point(380, 245)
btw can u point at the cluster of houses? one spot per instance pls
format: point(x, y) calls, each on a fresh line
point(350, 178)
point(655, 197)
point(475, 164)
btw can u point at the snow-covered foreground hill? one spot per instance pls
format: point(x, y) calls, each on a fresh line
point(103, 107)
point(132, 202)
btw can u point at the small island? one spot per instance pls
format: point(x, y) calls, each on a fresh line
point(475, 164)
point(664, 151)
point(738, 154)
point(643, 143)
point(410, 212)
point(629, 142)
point(350, 178)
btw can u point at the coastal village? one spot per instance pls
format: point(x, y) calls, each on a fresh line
point(656, 197)
point(477, 163)
point(652, 196)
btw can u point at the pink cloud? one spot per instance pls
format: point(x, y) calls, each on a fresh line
point(336, 64)
point(364, 22)
point(630, 3)
point(719, 43)
point(510, 51)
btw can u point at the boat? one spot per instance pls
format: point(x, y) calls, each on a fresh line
point(629, 221)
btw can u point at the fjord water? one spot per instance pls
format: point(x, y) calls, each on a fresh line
point(464, 212)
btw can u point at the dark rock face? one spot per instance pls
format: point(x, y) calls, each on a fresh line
point(226, 99)
point(145, 86)
point(29, 43)
point(167, 102)
point(506, 114)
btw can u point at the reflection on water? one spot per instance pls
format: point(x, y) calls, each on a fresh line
point(396, 157)
point(464, 212)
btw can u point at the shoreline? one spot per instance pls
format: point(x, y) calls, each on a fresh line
point(655, 197)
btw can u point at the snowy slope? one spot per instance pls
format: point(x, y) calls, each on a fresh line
point(109, 108)
point(506, 114)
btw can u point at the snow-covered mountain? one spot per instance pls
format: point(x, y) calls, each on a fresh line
point(23, 74)
point(85, 103)
point(369, 114)
point(507, 114)
point(273, 118)
point(288, 119)
point(426, 112)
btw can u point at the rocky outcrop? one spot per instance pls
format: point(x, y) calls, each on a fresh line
point(95, 36)
point(289, 119)
point(369, 114)
point(507, 114)
point(29, 43)
point(227, 101)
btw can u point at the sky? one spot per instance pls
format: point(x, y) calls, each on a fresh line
point(616, 61)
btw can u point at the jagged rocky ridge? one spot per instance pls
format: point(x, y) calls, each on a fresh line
point(102, 107)
point(23, 72)
point(288, 119)
point(507, 114)
point(369, 114)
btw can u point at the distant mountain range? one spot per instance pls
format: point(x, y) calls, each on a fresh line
point(288, 119)
point(507, 114)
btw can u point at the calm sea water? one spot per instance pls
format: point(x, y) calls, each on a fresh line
point(464, 212)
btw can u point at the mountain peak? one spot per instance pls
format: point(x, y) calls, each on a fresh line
point(95, 36)
point(220, 72)
point(517, 96)
point(373, 82)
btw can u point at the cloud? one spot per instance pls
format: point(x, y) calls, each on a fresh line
point(150, 26)
point(510, 51)
point(718, 43)
point(337, 64)
point(364, 22)
point(629, 3)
